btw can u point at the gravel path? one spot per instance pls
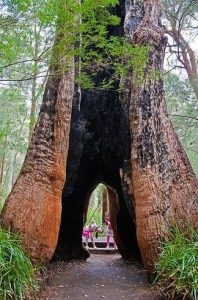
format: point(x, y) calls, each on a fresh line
point(100, 277)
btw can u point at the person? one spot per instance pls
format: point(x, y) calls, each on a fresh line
point(98, 230)
point(85, 234)
point(88, 233)
point(109, 233)
point(92, 228)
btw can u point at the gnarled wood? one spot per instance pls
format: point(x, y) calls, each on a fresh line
point(164, 185)
point(33, 208)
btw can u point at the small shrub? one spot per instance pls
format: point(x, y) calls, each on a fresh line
point(17, 274)
point(177, 268)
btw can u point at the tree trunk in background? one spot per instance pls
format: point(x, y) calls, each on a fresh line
point(188, 56)
point(113, 209)
point(181, 44)
point(105, 204)
point(33, 103)
point(164, 185)
point(33, 208)
point(35, 56)
point(2, 166)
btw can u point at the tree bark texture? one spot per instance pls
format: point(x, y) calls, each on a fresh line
point(33, 208)
point(155, 184)
point(164, 185)
point(113, 203)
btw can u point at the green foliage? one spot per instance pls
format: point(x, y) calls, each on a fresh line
point(114, 56)
point(25, 44)
point(85, 25)
point(183, 107)
point(13, 135)
point(17, 274)
point(182, 12)
point(95, 206)
point(12, 112)
point(94, 214)
point(1, 205)
point(177, 268)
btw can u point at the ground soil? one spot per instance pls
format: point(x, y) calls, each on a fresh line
point(102, 276)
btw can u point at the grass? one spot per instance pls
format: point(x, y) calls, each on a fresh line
point(17, 273)
point(177, 268)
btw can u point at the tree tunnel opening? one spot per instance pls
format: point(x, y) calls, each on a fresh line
point(96, 206)
point(99, 151)
point(101, 209)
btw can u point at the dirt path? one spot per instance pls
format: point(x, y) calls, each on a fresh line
point(100, 277)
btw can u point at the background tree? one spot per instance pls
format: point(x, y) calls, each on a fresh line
point(181, 81)
point(13, 136)
point(182, 19)
point(25, 48)
point(183, 110)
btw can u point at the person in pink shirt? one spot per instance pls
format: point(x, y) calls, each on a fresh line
point(109, 233)
point(88, 233)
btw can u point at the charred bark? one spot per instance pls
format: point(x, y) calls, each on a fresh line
point(99, 147)
point(164, 185)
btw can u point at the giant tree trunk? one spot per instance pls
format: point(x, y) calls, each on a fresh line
point(158, 180)
point(164, 185)
point(33, 208)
